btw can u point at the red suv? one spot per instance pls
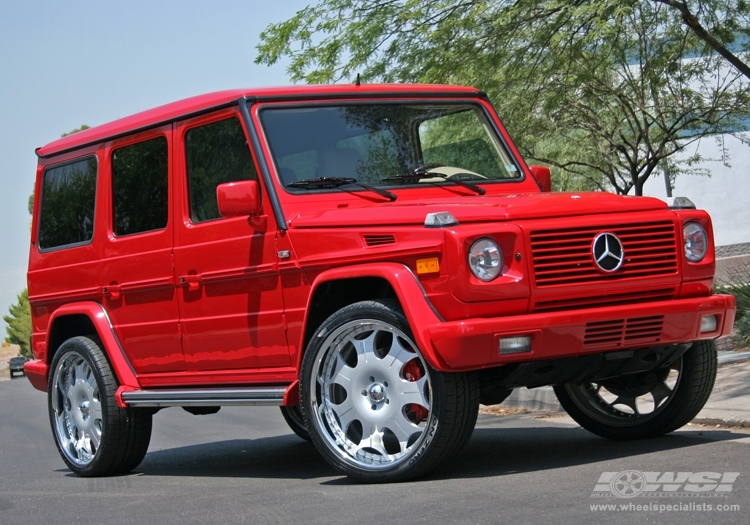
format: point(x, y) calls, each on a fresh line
point(376, 260)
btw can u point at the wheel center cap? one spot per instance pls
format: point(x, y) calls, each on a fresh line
point(84, 406)
point(377, 392)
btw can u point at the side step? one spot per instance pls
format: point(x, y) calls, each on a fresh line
point(203, 397)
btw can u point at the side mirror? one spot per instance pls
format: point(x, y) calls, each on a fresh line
point(238, 199)
point(543, 177)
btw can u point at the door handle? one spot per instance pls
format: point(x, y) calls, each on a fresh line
point(112, 290)
point(193, 282)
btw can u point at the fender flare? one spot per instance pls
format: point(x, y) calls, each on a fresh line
point(121, 365)
point(419, 311)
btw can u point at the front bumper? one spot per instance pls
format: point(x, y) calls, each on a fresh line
point(473, 344)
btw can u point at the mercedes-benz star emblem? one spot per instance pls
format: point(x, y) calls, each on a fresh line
point(608, 252)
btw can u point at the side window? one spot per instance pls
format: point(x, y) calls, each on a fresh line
point(139, 187)
point(67, 208)
point(216, 153)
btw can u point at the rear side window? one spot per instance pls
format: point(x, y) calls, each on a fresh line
point(139, 186)
point(216, 153)
point(67, 208)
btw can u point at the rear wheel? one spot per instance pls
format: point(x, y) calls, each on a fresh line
point(375, 409)
point(95, 437)
point(648, 404)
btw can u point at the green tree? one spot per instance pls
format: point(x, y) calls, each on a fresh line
point(692, 21)
point(606, 91)
point(19, 324)
point(75, 130)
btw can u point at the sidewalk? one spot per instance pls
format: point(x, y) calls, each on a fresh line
point(729, 404)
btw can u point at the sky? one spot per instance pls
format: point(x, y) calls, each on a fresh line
point(73, 62)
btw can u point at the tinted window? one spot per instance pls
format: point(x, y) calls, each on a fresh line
point(139, 186)
point(216, 153)
point(67, 209)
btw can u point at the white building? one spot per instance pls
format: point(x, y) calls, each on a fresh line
point(725, 195)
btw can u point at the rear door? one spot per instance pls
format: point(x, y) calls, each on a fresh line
point(228, 281)
point(137, 275)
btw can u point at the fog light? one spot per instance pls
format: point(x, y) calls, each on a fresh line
point(709, 323)
point(515, 345)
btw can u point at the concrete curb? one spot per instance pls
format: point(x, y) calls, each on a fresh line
point(541, 399)
point(722, 422)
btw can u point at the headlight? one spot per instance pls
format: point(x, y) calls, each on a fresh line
point(485, 259)
point(696, 241)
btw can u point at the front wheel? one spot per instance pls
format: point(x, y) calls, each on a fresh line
point(375, 409)
point(95, 437)
point(647, 404)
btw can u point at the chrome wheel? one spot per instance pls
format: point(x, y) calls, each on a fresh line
point(374, 407)
point(95, 437)
point(371, 394)
point(77, 408)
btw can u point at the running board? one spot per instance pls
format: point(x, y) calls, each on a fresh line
point(185, 397)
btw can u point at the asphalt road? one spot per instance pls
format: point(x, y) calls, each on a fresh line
point(243, 465)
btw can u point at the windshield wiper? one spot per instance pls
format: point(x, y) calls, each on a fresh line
point(421, 173)
point(335, 182)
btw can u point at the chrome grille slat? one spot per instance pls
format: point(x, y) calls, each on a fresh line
point(564, 256)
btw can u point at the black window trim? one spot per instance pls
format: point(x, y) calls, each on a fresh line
point(265, 172)
point(41, 204)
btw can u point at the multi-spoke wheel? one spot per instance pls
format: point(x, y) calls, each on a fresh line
point(94, 436)
point(374, 407)
point(646, 404)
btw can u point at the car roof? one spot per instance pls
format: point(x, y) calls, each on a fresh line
point(211, 101)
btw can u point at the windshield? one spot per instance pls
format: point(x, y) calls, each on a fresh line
point(376, 144)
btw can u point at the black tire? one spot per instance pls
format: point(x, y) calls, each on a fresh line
point(94, 436)
point(606, 408)
point(293, 417)
point(417, 418)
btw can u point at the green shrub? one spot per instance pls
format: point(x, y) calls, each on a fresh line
point(738, 284)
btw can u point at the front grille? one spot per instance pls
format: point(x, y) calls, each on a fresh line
point(600, 301)
point(564, 256)
point(624, 333)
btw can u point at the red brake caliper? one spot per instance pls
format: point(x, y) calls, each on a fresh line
point(413, 372)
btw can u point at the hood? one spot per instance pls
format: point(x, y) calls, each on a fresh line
point(487, 208)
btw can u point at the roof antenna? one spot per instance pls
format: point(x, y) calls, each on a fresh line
point(358, 83)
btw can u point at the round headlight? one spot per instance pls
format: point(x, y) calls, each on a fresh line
point(485, 259)
point(696, 241)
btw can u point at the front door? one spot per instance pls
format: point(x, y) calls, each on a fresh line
point(228, 282)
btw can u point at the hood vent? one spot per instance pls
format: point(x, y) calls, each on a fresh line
point(378, 240)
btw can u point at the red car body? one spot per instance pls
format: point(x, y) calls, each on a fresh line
point(233, 302)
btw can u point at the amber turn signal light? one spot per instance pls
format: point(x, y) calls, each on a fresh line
point(431, 265)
